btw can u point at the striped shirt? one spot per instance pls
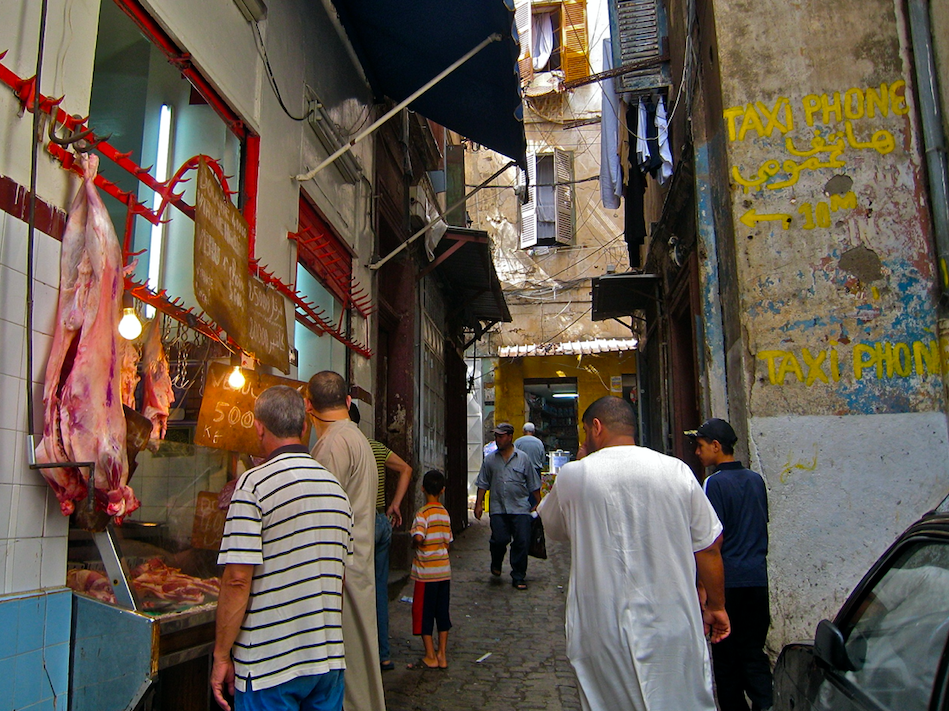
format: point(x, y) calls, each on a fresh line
point(431, 557)
point(381, 454)
point(292, 521)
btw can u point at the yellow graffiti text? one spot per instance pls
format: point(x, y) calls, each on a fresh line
point(886, 359)
point(818, 215)
point(790, 465)
point(856, 103)
point(880, 360)
point(780, 117)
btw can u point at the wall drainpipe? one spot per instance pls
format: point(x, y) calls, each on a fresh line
point(934, 141)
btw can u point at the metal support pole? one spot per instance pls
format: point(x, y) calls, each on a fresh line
point(398, 107)
point(451, 207)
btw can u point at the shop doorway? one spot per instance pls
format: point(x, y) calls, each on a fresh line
point(551, 404)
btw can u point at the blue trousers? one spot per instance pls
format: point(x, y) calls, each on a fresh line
point(383, 544)
point(516, 529)
point(322, 692)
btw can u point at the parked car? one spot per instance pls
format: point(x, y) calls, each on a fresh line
point(886, 648)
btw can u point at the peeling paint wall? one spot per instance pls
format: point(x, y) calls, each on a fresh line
point(833, 254)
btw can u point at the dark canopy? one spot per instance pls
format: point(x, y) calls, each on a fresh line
point(402, 44)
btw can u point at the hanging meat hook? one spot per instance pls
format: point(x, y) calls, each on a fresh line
point(76, 139)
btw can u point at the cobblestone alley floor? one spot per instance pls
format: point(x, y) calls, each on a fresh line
point(522, 631)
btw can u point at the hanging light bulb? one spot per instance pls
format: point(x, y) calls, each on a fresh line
point(236, 379)
point(130, 327)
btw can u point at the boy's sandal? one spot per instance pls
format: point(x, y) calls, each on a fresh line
point(420, 664)
point(495, 572)
point(387, 665)
point(520, 586)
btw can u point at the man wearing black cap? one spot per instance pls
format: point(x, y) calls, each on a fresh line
point(510, 476)
point(741, 502)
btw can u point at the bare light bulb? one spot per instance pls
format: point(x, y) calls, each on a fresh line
point(236, 379)
point(130, 327)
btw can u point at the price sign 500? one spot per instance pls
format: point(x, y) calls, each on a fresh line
point(233, 414)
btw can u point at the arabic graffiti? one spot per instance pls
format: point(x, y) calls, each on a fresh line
point(881, 359)
point(829, 143)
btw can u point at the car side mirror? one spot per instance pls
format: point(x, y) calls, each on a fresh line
point(830, 648)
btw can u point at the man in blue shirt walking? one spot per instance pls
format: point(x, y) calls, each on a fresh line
point(739, 498)
point(514, 484)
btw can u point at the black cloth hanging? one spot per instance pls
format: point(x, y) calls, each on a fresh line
point(635, 192)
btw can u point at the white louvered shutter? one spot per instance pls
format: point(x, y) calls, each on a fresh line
point(529, 208)
point(563, 175)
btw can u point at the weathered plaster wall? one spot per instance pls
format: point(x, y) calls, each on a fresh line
point(835, 271)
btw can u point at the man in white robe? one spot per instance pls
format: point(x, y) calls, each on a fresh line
point(343, 449)
point(639, 527)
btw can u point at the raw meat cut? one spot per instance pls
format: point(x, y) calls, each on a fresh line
point(156, 579)
point(130, 377)
point(82, 395)
point(158, 393)
point(90, 583)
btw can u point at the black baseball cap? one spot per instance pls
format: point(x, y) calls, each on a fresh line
point(715, 430)
point(504, 428)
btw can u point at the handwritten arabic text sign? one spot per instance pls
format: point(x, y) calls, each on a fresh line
point(220, 255)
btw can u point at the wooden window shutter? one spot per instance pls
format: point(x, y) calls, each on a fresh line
point(563, 175)
point(638, 29)
point(574, 58)
point(529, 208)
point(522, 21)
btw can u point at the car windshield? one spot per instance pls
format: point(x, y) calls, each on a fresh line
point(897, 635)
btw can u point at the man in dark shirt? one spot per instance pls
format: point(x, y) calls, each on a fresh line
point(741, 502)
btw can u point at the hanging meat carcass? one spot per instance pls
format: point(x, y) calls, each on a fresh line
point(130, 377)
point(84, 420)
point(157, 390)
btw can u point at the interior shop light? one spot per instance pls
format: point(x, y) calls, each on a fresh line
point(236, 379)
point(130, 327)
point(162, 159)
point(565, 395)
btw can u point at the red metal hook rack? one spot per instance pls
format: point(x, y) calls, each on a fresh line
point(311, 317)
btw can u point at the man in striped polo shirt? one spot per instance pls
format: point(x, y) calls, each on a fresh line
point(288, 537)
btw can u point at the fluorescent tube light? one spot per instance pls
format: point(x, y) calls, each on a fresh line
point(162, 158)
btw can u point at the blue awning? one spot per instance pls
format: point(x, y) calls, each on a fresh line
point(402, 44)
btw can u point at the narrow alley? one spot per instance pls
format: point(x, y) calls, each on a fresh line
point(517, 636)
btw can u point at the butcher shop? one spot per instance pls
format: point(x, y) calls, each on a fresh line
point(171, 270)
point(195, 206)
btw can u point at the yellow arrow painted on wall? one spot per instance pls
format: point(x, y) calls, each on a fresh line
point(751, 218)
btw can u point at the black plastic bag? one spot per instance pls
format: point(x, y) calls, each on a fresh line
point(538, 545)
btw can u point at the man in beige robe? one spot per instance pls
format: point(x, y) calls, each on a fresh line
point(345, 451)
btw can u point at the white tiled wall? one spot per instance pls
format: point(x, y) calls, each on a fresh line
point(32, 530)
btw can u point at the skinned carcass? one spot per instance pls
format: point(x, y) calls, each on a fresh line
point(157, 390)
point(84, 420)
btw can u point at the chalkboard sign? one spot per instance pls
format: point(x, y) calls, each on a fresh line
point(265, 328)
point(220, 255)
point(226, 417)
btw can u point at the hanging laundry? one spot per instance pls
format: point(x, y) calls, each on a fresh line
point(639, 129)
point(662, 133)
point(542, 39)
point(611, 173)
point(635, 192)
point(654, 160)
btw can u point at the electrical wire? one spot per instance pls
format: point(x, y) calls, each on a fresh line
point(262, 51)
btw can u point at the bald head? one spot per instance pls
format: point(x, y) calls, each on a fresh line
point(615, 415)
point(327, 391)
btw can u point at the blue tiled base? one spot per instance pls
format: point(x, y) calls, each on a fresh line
point(34, 650)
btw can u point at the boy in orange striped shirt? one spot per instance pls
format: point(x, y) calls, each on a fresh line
point(431, 571)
